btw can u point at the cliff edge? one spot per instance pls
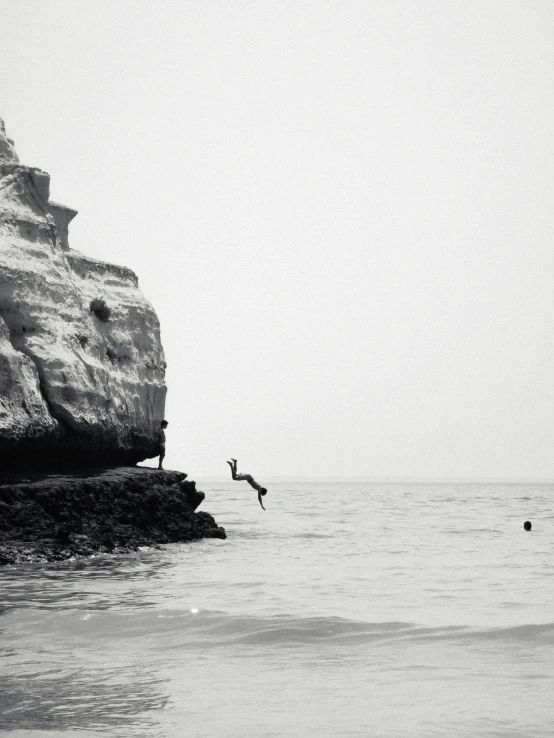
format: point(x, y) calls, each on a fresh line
point(81, 362)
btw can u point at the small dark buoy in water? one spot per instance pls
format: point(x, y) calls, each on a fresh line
point(527, 525)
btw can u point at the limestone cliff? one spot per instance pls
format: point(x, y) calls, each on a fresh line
point(81, 362)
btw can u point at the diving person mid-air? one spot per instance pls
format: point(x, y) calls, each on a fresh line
point(262, 491)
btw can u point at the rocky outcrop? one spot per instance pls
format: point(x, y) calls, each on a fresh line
point(81, 362)
point(55, 517)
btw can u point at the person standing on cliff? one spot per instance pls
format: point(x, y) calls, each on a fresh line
point(248, 478)
point(161, 441)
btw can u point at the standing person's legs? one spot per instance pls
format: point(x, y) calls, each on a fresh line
point(162, 456)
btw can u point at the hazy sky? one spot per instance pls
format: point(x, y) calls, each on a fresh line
point(342, 212)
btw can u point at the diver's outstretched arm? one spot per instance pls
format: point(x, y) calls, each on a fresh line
point(260, 500)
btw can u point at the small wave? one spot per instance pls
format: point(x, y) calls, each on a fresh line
point(472, 531)
point(197, 629)
point(529, 632)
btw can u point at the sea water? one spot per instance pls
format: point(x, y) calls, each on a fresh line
point(347, 608)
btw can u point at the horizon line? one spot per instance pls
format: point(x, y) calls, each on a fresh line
point(402, 480)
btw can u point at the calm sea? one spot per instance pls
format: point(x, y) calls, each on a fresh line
point(345, 609)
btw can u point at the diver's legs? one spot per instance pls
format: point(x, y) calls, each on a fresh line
point(233, 468)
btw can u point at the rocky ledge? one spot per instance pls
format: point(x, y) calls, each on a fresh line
point(52, 517)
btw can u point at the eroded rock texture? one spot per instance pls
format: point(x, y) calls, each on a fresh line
point(81, 363)
point(51, 517)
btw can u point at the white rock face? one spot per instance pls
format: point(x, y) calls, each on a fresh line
point(77, 385)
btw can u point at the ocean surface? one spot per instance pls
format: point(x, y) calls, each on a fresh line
point(348, 608)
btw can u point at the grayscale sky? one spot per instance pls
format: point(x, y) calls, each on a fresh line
point(342, 212)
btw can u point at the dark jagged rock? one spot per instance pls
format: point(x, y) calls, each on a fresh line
point(50, 517)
